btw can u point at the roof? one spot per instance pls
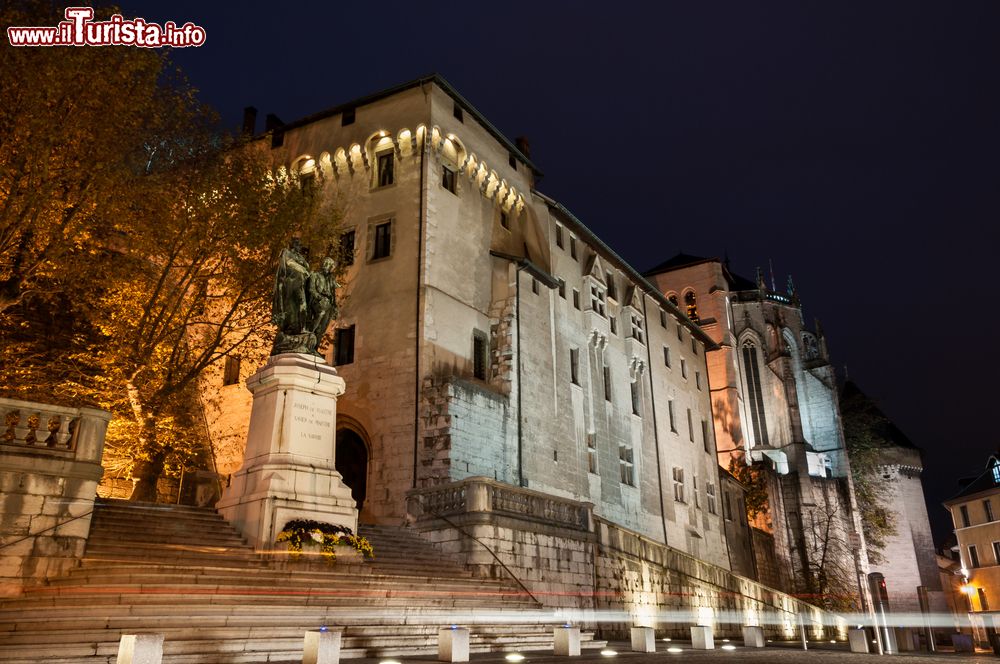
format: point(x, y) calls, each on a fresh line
point(609, 253)
point(853, 400)
point(736, 282)
point(418, 82)
point(987, 481)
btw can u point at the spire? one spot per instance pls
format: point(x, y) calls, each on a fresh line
point(791, 287)
point(774, 288)
point(759, 278)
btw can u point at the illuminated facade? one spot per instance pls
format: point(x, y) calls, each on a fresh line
point(975, 511)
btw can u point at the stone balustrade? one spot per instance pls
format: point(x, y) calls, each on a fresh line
point(482, 494)
point(39, 426)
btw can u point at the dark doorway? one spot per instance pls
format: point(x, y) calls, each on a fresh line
point(352, 463)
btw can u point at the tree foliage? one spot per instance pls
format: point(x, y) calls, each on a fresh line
point(754, 479)
point(137, 242)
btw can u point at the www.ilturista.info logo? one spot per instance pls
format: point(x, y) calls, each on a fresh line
point(79, 29)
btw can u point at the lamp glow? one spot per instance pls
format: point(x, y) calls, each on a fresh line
point(514, 657)
point(729, 646)
point(675, 649)
point(608, 653)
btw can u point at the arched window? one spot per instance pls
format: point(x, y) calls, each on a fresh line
point(673, 299)
point(755, 394)
point(691, 306)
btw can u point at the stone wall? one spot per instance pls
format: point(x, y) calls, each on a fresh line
point(565, 557)
point(49, 469)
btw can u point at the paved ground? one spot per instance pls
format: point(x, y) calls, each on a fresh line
point(773, 654)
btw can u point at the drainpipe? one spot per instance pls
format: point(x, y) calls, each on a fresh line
point(416, 319)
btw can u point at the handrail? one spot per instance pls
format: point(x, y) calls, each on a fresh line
point(488, 549)
point(45, 530)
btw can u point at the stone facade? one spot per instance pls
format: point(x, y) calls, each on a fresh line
point(774, 399)
point(49, 470)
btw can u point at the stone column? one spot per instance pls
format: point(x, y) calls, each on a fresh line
point(289, 469)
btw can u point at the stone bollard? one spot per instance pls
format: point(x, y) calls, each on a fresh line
point(140, 649)
point(858, 638)
point(453, 644)
point(753, 636)
point(321, 647)
point(701, 637)
point(566, 641)
point(643, 639)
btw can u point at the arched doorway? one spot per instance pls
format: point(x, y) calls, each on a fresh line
point(352, 463)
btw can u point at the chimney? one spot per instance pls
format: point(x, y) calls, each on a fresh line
point(249, 121)
point(523, 145)
point(272, 121)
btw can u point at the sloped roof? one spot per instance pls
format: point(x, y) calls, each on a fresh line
point(853, 400)
point(987, 481)
point(680, 260)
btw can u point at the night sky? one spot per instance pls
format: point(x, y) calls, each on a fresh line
point(854, 145)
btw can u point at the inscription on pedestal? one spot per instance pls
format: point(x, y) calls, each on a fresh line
point(315, 423)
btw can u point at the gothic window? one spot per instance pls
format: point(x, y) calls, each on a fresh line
point(448, 179)
point(231, 374)
point(672, 298)
point(755, 393)
point(691, 306)
point(597, 302)
point(480, 355)
point(343, 346)
point(678, 484)
point(625, 464)
point(385, 161)
point(810, 346)
point(637, 327)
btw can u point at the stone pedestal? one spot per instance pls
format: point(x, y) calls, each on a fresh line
point(753, 636)
point(643, 639)
point(453, 644)
point(321, 647)
point(858, 638)
point(566, 641)
point(288, 469)
point(701, 638)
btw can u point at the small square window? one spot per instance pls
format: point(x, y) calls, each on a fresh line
point(382, 247)
point(457, 112)
point(386, 162)
point(448, 179)
point(347, 117)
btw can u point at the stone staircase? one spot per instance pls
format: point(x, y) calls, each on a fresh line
point(186, 573)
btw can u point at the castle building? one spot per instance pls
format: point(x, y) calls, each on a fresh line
point(512, 383)
point(774, 400)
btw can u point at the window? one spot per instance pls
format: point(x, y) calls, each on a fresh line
point(343, 346)
point(448, 179)
point(572, 247)
point(697, 379)
point(678, 484)
point(574, 366)
point(534, 286)
point(637, 326)
point(576, 299)
point(690, 426)
point(559, 237)
point(704, 436)
point(666, 356)
point(672, 298)
point(382, 243)
point(612, 293)
point(996, 552)
point(625, 464)
point(614, 324)
point(694, 345)
point(727, 506)
point(512, 160)
point(457, 112)
point(973, 556)
point(562, 288)
point(996, 473)
point(673, 419)
point(691, 306)
point(983, 604)
point(607, 383)
point(597, 299)
point(680, 332)
point(385, 168)
point(636, 400)
point(684, 368)
point(663, 319)
point(755, 397)
point(504, 220)
point(347, 248)
point(231, 374)
point(710, 491)
point(480, 355)
point(347, 117)
point(592, 453)
point(694, 492)
point(964, 510)
point(988, 508)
